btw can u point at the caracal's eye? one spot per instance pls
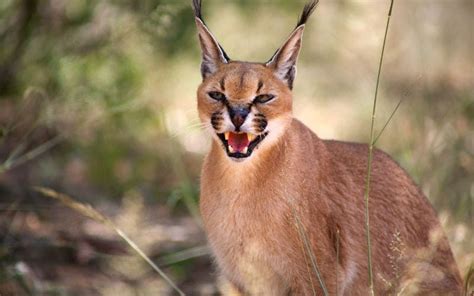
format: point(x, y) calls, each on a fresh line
point(218, 96)
point(262, 99)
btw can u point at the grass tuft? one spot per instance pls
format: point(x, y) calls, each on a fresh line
point(88, 211)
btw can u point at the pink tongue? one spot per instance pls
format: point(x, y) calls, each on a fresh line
point(238, 141)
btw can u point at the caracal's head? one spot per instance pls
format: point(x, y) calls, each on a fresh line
point(247, 106)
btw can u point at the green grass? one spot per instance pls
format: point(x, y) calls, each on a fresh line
point(369, 159)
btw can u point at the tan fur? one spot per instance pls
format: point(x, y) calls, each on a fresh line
point(250, 207)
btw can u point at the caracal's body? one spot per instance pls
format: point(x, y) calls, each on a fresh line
point(249, 214)
point(284, 211)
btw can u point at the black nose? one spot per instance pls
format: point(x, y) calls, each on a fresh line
point(238, 115)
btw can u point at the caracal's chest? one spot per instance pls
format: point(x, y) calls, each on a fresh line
point(243, 228)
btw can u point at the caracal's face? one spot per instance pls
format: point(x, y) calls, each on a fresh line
point(245, 106)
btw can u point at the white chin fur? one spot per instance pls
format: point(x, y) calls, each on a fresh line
point(276, 128)
point(234, 159)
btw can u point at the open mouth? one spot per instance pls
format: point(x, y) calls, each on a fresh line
point(240, 145)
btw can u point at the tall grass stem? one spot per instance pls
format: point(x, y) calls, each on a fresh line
point(369, 159)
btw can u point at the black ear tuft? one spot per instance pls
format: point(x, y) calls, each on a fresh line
point(283, 62)
point(307, 11)
point(197, 13)
point(197, 9)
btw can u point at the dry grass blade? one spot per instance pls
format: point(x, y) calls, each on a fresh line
point(469, 281)
point(90, 212)
point(337, 261)
point(14, 161)
point(84, 209)
point(369, 159)
point(303, 248)
point(183, 255)
point(302, 234)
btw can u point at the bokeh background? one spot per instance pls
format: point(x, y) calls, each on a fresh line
point(97, 100)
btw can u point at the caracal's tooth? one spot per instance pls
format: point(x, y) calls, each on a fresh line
point(226, 135)
point(245, 150)
point(250, 137)
point(231, 150)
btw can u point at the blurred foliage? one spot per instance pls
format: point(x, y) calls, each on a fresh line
point(97, 99)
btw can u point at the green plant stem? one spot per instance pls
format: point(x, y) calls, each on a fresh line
point(369, 159)
point(388, 121)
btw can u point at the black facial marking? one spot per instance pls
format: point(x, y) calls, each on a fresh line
point(260, 84)
point(242, 80)
point(262, 127)
point(222, 83)
point(260, 122)
point(216, 119)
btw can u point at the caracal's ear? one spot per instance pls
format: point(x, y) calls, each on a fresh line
point(213, 54)
point(284, 60)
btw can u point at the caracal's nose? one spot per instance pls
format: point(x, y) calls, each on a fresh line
point(238, 116)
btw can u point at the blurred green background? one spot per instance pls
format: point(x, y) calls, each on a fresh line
point(97, 100)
